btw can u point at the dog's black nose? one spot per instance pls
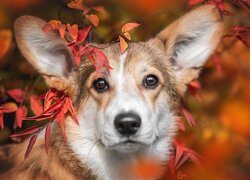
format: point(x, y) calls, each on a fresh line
point(127, 123)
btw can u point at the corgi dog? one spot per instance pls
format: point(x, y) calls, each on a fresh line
point(128, 114)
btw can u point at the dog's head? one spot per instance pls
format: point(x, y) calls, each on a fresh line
point(133, 109)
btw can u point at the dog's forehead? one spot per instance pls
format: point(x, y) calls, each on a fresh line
point(138, 56)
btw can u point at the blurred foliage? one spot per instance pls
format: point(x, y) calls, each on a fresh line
point(222, 133)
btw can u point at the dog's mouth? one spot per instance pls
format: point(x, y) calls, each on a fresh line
point(127, 146)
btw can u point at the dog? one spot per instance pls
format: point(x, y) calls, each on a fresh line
point(128, 114)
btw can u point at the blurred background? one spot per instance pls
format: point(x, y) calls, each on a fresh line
point(222, 131)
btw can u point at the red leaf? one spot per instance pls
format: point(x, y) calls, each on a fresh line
point(99, 60)
point(129, 26)
point(221, 7)
point(100, 9)
point(77, 4)
point(242, 33)
point(47, 138)
point(30, 146)
point(70, 107)
point(20, 114)
point(83, 33)
point(188, 116)
point(194, 87)
point(1, 120)
point(73, 31)
point(94, 19)
point(183, 154)
point(36, 105)
point(16, 94)
point(181, 125)
point(216, 62)
point(193, 2)
point(123, 44)
point(60, 118)
point(31, 130)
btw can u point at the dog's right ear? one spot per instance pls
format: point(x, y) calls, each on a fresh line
point(46, 52)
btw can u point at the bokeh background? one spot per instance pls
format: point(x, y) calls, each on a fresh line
point(222, 132)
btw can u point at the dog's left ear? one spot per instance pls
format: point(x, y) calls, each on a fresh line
point(190, 40)
point(46, 52)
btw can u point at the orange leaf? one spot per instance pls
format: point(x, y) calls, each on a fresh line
point(30, 146)
point(100, 9)
point(47, 137)
point(5, 41)
point(123, 44)
point(36, 105)
point(94, 19)
point(127, 35)
point(20, 114)
point(129, 26)
point(76, 4)
point(55, 25)
point(73, 31)
point(8, 107)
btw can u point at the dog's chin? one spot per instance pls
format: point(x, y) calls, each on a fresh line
point(126, 147)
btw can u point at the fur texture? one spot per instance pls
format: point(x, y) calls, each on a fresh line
point(95, 149)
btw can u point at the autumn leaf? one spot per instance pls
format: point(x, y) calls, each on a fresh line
point(76, 4)
point(16, 94)
point(31, 144)
point(1, 120)
point(8, 107)
point(28, 131)
point(129, 26)
point(21, 113)
point(242, 33)
point(55, 25)
point(100, 9)
point(73, 31)
point(182, 154)
point(181, 124)
point(83, 33)
point(47, 138)
point(193, 2)
point(194, 87)
point(188, 116)
point(36, 105)
point(99, 60)
point(94, 19)
point(123, 44)
point(5, 41)
point(127, 35)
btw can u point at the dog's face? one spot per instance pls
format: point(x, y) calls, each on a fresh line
point(132, 110)
point(133, 106)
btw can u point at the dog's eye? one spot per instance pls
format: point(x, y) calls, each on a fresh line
point(100, 85)
point(151, 81)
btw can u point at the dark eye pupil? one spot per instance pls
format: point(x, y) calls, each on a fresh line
point(151, 81)
point(100, 85)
